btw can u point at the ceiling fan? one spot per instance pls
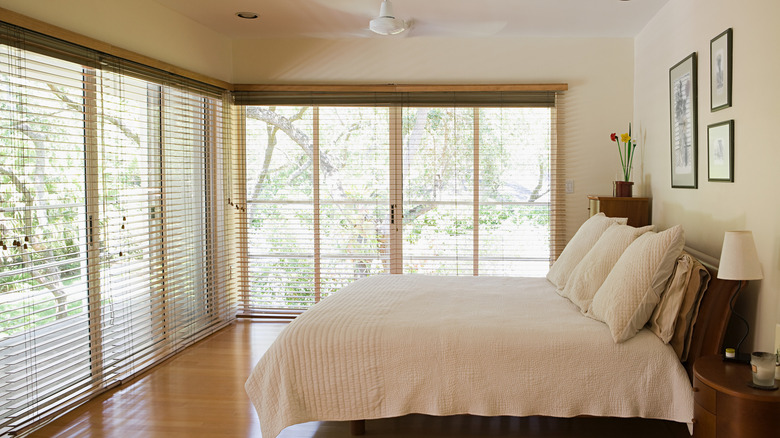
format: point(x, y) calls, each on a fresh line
point(387, 23)
point(431, 22)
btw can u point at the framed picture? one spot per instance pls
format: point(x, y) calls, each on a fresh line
point(720, 71)
point(720, 151)
point(683, 119)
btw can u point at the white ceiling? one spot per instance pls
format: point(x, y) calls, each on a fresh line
point(438, 18)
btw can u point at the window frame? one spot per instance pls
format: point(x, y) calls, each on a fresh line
point(476, 96)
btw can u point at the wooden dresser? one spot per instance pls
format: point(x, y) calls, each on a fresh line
point(637, 210)
point(725, 407)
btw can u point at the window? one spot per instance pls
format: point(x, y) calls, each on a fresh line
point(340, 191)
point(111, 192)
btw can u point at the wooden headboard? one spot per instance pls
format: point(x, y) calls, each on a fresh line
point(714, 314)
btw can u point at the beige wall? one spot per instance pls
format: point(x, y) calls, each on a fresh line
point(751, 202)
point(598, 71)
point(141, 26)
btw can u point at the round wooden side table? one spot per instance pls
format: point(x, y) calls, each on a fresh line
point(726, 407)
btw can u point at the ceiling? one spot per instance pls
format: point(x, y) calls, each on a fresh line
point(430, 18)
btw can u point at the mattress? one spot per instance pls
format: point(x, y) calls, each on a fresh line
point(391, 345)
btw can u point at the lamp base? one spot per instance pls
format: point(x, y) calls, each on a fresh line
point(739, 358)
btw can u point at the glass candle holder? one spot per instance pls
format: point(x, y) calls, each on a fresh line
point(763, 365)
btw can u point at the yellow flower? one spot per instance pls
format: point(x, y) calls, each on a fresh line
point(625, 138)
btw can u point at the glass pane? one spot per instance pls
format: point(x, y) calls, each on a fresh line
point(185, 206)
point(354, 194)
point(438, 190)
point(280, 202)
point(514, 184)
point(44, 324)
point(129, 201)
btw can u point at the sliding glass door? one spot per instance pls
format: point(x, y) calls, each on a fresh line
point(109, 203)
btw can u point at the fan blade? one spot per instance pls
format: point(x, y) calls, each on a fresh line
point(455, 29)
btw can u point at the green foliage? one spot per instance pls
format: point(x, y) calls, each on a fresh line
point(16, 319)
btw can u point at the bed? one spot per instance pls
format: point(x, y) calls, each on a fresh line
point(392, 345)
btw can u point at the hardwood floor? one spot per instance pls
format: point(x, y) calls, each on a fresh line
point(200, 393)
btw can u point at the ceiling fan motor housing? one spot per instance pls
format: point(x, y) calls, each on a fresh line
point(386, 23)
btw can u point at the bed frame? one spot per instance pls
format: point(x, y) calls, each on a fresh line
point(708, 331)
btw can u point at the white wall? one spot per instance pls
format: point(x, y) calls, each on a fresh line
point(598, 71)
point(751, 202)
point(141, 26)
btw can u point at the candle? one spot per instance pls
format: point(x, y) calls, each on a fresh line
point(763, 365)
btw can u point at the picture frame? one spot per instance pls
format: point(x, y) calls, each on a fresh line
point(720, 151)
point(683, 101)
point(720, 70)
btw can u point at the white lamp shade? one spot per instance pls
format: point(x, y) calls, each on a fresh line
point(739, 259)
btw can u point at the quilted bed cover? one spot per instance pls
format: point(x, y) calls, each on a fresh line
point(391, 345)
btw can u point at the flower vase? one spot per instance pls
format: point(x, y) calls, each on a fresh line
point(623, 189)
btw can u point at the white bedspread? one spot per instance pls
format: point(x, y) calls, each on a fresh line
point(387, 346)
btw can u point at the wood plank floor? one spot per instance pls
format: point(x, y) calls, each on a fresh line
point(200, 393)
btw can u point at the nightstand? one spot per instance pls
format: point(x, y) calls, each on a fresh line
point(637, 210)
point(725, 407)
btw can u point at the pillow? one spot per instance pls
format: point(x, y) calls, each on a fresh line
point(590, 273)
point(578, 246)
point(633, 288)
point(689, 310)
point(664, 317)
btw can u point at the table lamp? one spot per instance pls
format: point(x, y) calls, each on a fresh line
point(739, 261)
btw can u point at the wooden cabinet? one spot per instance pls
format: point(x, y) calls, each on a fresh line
point(725, 407)
point(637, 210)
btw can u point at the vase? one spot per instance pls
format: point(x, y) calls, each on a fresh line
point(623, 189)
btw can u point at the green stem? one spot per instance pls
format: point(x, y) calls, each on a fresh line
point(630, 159)
point(620, 151)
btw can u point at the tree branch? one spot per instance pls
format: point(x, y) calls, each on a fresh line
point(539, 191)
point(285, 125)
point(78, 107)
point(21, 187)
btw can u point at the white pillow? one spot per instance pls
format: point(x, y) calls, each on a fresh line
point(633, 288)
point(579, 245)
point(590, 273)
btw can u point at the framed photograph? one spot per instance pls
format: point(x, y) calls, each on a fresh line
point(720, 151)
point(720, 71)
point(683, 122)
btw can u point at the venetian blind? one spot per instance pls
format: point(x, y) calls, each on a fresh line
point(114, 215)
point(342, 185)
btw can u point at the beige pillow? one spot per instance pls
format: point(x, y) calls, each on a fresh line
point(689, 310)
point(664, 318)
point(590, 273)
point(633, 288)
point(579, 245)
